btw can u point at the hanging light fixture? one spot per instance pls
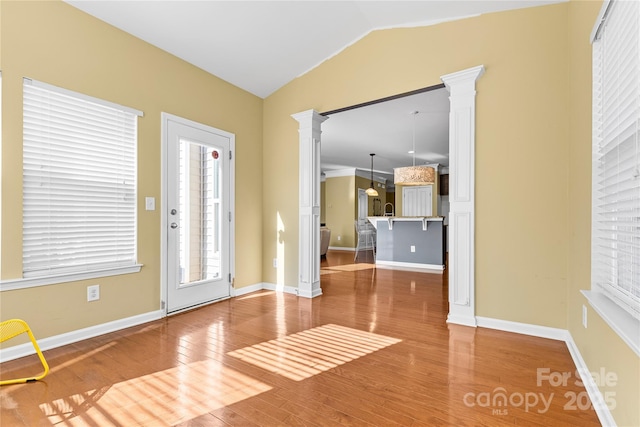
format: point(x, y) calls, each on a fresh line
point(414, 175)
point(371, 191)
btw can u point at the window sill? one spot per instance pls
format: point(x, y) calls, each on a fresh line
point(32, 282)
point(625, 325)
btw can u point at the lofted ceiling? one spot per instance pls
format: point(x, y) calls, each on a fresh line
point(260, 46)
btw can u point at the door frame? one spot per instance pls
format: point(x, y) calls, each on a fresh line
point(462, 139)
point(362, 195)
point(164, 214)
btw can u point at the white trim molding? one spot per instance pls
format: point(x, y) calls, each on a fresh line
point(337, 173)
point(462, 138)
point(309, 203)
point(595, 395)
point(624, 324)
point(265, 286)
point(236, 292)
point(280, 288)
point(26, 349)
point(32, 282)
point(342, 248)
point(411, 266)
point(48, 343)
point(522, 328)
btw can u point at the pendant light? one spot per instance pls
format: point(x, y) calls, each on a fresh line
point(414, 175)
point(371, 191)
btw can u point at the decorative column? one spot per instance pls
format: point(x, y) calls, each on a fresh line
point(309, 199)
point(462, 138)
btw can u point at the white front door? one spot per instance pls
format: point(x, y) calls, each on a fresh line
point(198, 217)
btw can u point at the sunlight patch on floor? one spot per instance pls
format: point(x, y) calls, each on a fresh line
point(308, 353)
point(163, 398)
point(254, 295)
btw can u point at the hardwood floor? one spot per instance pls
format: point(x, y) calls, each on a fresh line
point(374, 349)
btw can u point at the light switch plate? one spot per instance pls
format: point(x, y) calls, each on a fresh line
point(150, 203)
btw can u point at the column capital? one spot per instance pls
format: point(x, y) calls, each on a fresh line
point(463, 80)
point(309, 118)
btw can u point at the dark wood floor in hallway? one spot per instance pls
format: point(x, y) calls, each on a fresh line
point(374, 349)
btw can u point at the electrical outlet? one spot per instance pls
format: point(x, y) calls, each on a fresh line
point(339, 238)
point(93, 293)
point(584, 316)
point(413, 248)
point(275, 263)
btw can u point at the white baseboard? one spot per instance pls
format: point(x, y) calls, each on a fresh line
point(246, 290)
point(27, 349)
point(280, 288)
point(264, 286)
point(523, 328)
point(599, 404)
point(462, 320)
point(411, 266)
point(342, 248)
point(312, 294)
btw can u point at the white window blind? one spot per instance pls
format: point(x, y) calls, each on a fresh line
point(616, 157)
point(79, 182)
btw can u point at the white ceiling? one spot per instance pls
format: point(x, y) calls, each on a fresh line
point(386, 129)
point(260, 46)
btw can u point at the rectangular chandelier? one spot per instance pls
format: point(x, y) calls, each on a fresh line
point(414, 175)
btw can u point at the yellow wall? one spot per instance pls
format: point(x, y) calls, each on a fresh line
point(391, 198)
point(341, 195)
point(524, 86)
point(598, 344)
point(364, 183)
point(341, 205)
point(532, 208)
point(532, 228)
point(57, 44)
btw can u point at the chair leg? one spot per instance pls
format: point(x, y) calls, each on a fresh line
point(12, 328)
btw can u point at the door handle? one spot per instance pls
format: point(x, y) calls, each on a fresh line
point(174, 225)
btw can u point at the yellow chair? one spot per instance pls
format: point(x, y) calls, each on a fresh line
point(11, 329)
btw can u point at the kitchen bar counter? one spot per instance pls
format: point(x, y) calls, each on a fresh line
point(410, 242)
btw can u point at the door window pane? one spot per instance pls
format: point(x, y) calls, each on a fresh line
point(200, 216)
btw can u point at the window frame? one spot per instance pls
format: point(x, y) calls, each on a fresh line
point(104, 269)
point(626, 326)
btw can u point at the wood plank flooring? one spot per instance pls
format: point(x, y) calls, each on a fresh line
point(374, 349)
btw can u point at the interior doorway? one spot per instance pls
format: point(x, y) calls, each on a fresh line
point(363, 204)
point(462, 88)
